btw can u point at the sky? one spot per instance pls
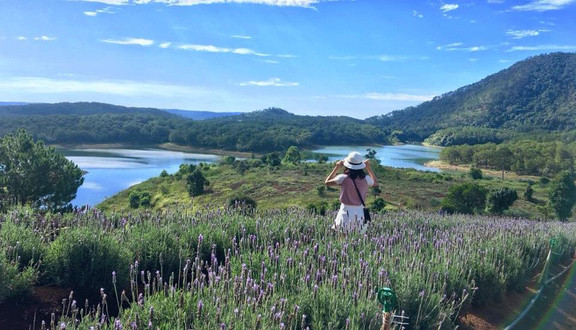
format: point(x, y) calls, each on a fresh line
point(356, 58)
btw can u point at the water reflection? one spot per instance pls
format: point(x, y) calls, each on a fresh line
point(400, 156)
point(110, 171)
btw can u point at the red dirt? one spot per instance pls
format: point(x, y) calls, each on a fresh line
point(43, 302)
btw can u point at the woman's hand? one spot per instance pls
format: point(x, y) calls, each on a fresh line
point(339, 164)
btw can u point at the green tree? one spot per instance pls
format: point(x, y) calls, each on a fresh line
point(196, 182)
point(475, 173)
point(292, 156)
point(500, 200)
point(562, 195)
point(529, 192)
point(466, 198)
point(32, 173)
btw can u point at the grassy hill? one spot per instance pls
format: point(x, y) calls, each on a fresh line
point(302, 186)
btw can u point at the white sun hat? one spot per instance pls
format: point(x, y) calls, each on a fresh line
point(354, 161)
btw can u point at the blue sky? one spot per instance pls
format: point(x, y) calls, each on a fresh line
point(339, 57)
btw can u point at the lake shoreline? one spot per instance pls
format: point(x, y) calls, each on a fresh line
point(163, 146)
point(465, 168)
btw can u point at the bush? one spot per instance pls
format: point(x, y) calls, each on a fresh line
point(84, 261)
point(242, 203)
point(321, 190)
point(139, 198)
point(500, 200)
point(466, 198)
point(529, 193)
point(155, 249)
point(15, 284)
point(319, 208)
point(475, 173)
point(562, 195)
point(21, 243)
point(196, 182)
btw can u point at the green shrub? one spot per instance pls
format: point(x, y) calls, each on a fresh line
point(84, 261)
point(244, 203)
point(466, 198)
point(21, 243)
point(500, 200)
point(15, 285)
point(155, 249)
point(475, 173)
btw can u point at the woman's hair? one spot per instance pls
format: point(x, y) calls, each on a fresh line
point(353, 174)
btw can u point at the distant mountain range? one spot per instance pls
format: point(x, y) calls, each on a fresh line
point(90, 108)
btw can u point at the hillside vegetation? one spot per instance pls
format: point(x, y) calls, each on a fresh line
point(534, 95)
point(260, 131)
point(302, 186)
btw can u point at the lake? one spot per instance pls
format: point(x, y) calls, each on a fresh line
point(113, 170)
point(400, 156)
point(110, 171)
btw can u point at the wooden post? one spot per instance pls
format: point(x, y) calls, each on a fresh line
point(386, 320)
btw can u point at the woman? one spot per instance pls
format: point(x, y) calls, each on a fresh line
point(354, 185)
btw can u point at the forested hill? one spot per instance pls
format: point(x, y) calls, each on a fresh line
point(275, 129)
point(77, 108)
point(260, 131)
point(535, 94)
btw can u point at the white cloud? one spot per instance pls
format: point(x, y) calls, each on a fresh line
point(519, 34)
point(48, 86)
point(92, 186)
point(383, 58)
point(543, 5)
point(45, 38)
point(417, 14)
point(449, 7)
point(543, 48)
point(21, 38)
point(130, 41)
point(106, 10)
point(215, 49)
point(165, 45)
point(246, 51)
point(275, 82)
point(109, 2)
point(278, 3)
point(241, 37)
point(392, 97)
point(456, 46)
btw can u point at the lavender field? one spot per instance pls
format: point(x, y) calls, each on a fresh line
point(221, 269)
